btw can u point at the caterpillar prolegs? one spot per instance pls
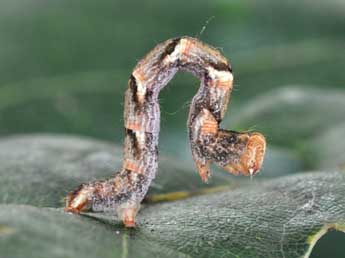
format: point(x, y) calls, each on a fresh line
point(234, 151)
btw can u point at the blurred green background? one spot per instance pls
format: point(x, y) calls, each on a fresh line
point(64, 66)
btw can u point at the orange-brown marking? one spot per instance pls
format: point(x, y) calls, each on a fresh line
point(141, 98)
point(129, 217)
point(222, 84)
point(135, 127)
point(209, 126)
point(186, 46)
point(235, 168)
point(76, 205)
point(139, 75)
point(209, 123)
point(77, 209)
point(204, 171)
point(133, 166)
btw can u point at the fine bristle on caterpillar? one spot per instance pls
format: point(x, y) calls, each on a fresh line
point(234, 151)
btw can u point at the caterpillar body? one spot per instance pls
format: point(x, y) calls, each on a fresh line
point(236, 152)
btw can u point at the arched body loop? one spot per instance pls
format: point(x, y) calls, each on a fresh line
point(235, 152)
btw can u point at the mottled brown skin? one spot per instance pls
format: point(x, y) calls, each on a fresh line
point(235, 152)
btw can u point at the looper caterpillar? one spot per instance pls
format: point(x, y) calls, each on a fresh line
point(234, 151)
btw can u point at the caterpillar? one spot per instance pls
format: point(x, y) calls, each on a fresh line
point(236, 152)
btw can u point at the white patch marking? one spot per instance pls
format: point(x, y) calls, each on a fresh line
point(141, 89)
point(180, 48)
point(140, 137)
point(81, 198)
point(222, 76)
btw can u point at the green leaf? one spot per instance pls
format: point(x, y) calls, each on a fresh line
point(280, 218)
point(283, 217)
point(41, 232)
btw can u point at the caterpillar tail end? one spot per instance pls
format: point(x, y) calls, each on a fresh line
point(81, 200)
point(78, 200)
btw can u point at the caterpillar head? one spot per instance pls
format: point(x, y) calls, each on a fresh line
point(249, 155)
